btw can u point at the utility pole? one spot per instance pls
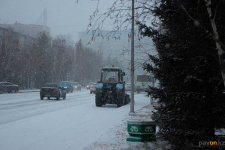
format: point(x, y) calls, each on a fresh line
point(132, 61)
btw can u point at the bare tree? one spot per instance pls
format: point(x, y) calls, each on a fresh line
point(119, 17)
point(8, 53)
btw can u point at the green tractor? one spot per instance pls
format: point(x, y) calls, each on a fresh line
point(111, 88)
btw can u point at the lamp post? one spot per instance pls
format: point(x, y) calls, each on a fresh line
point(139, 130)
point(132, 61)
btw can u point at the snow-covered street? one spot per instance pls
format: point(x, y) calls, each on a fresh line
point(28, 123)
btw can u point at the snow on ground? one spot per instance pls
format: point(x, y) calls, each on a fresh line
point(115, 138)
point(27, 123)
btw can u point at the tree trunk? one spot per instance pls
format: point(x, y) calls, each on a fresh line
point(220, 51)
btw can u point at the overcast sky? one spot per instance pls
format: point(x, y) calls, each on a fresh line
point(63, 16)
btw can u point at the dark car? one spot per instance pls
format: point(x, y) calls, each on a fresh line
point(3, 88)
point(8, 87)
point(76, 86)
point(67, 85)
point(52, 90)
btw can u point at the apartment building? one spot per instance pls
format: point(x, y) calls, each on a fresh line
point(28, 30)
point(22, 41)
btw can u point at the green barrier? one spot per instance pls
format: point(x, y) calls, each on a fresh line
point(141, 131)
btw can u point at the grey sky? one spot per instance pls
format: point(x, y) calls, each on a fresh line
point(63, 16)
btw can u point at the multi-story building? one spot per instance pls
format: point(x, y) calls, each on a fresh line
point(118, 45)
point(29, 30)
point(22, 40)
point(12, 44)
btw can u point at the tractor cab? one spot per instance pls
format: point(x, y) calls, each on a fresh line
point(112, 75)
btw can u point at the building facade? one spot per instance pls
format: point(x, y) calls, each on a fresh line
point(118, 45)
point(12, 47)
point(28, 30)
point(22, 40)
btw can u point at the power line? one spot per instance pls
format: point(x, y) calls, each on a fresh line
point(67, 26)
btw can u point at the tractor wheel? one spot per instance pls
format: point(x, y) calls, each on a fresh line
point(98, 100)
point(119, 101)
point(64, 96)
point(126, 101)
point(58, 96)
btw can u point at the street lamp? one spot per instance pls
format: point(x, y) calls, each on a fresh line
point(132, 61)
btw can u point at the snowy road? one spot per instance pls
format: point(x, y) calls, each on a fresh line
point(28, 123)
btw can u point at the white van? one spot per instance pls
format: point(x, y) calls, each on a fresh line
point(143, 81)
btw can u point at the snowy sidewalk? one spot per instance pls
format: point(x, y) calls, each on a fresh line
point(116, 138)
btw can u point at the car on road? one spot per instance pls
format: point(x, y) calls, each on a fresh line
point(3, 88)
point(128, 87)
point(8, 87)
point(93, 88)
point(52, 90)
point(76, 86)
point(67, 85)
point(88, 86)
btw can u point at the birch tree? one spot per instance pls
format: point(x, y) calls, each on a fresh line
point(215, 37)
point(8, 51)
